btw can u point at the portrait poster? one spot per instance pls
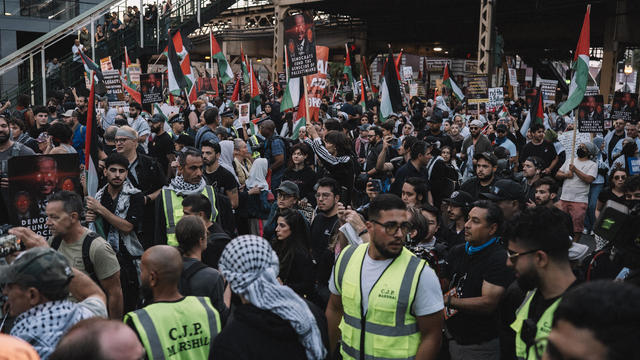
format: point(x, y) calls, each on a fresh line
point(207, 85)
point(151, 87)
point(244, 114)
point(625, 106)
point(134, 72)
point(590, 114)
point(300, 40)
point(106, 64)
point(33, 180)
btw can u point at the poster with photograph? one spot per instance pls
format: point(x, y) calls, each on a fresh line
point(590, 114)
point(151, 87)
point(106, 64)
point(243, 111)
point(207, 85)
point(625, 106)
point(113, 84)
point(548, 88)
point(33, 180)
point(300, 39)
point(134, 72)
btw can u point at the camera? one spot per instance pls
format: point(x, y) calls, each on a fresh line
point(10, 244)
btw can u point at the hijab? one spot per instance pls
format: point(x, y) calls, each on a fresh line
point(258, 174)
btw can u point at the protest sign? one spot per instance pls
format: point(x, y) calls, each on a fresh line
point(207, 85)
point(106, 64)
point(317, 83)
point(134, 74)
point(413, 89)
point(243, 111)
point(548, 88)
point(513, 77)
point(32, 181)
point(113, 84)
point(590, 114)
point(566, 139)
point(633, 164)
point(625, 106)
point(496, 98)
point(151, 87)
point(282, 80)
point(300, 39)
point(477, 89)
point(407, 73)
point(437, 64)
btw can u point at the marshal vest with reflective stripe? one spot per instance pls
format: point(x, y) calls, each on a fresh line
point(254, 140)
point(543, 327)
point(177, 330)
point(173, 212)
point(388, 330)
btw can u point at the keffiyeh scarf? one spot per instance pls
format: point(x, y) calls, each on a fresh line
point(183, 188)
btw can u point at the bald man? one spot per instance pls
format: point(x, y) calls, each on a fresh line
point(171, 326)
point(274, 152)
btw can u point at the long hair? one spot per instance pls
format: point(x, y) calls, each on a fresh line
point(340, 141)
point(297, 241)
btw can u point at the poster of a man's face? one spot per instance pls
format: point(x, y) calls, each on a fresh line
point(301, 47)
point(625, 106)
point(151, 87)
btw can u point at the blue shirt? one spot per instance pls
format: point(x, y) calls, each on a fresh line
point(79, 136)
point(203, 134)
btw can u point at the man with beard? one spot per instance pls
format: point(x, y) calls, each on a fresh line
point(138, 124)
point(458, 206)
point(169, 208)
point(216, 175)
point(434, 129)
point(9, 149)
point(116, 212)
point(385, 301)
point(171, 325)
point(486, 164)
point(477, 143)
point(531, 172)
point(478, 277)
point(161, 146)
point(538, 252)
point(540, 148)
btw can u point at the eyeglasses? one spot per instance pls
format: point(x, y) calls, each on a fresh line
point(513, 256)
point(284, 195)
point(391, 227)
point(121, 140)
point(620, 177)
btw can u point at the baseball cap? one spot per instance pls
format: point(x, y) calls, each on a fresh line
point(490, 157)
point(504, 189)
point(156, 118)
point(227, 113)
point(289, 188)
point(460, 198)
point(175, 118)
point(477, 123)
point(364, 127)
point(41, 267)
point(68, 113)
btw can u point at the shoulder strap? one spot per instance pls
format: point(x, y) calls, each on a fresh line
point(86, 259)
point(188, 274)
point(15, 151)
point(55, 243)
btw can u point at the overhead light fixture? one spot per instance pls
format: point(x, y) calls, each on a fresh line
point(628, 69)
point(259, 60)
point(437, 49)
point(207, 57)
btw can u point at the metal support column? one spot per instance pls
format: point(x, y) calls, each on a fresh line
point(485, 40)
point(198, 5)
point(279, 13)
point(31, 79)
point(141, 24)
point(93, 39)
point(44, 77)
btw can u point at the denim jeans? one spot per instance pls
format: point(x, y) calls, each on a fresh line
point(590, 218)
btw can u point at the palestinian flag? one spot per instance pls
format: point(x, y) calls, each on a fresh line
point(580, 66)
point(397, 63)
point(299, 120)
point(158, 110)
point(503, 113)
point(253, 127)
point(391, 97)
point(535, 115)
point(291, 97)
point(347, 66)
point(90, 66)
point(235, 97)
point(224, 69)
point(91, 143)
point(244, 66)
point(363, 96)
point(177, 78)
point(188, 72)
point(448, 81)
point(366, 70)
point(254, 90)
point(135, 94)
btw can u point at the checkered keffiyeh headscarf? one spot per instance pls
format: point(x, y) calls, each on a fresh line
point(251, 267)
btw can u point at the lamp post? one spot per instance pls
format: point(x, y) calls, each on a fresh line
point(628, 70)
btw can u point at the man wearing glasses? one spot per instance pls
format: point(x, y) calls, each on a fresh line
point(478, 277)
point(538, 252)
point(385, 302)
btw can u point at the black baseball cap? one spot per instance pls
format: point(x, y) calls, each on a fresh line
point(460, 198)
point(504, 189)
point(490, 157)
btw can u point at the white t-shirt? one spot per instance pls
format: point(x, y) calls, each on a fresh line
point(575, 189)
point(428, 299)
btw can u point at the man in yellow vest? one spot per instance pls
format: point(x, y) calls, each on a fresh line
point(538, 251)
point(172, 326)
point(169, 204)
point(385, 302)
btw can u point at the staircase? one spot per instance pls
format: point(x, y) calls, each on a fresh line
point(183, 15)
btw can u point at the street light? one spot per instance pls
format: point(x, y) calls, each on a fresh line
point(628, 70)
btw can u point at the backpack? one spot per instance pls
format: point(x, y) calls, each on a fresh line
point(288, 144)
point(86, 259)
point(185, 278)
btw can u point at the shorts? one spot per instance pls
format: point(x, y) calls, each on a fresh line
point(576, 210)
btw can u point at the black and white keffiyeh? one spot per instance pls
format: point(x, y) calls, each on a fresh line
point(183, 188)
point(251, 267)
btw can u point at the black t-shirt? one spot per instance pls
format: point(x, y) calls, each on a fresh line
point(222, 179)
point(606, 194)
point(545, 151)
point(134, 214)
point(474, 188)
point(539, 305)
point(305, 179)
point(160, 147)
point(467, 274)
point(612, 144)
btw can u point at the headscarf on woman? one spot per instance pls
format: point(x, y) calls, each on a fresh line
point(251, 267)
point(258, 174)
point(226, 156)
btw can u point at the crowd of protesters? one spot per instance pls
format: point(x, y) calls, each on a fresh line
point(431, 234)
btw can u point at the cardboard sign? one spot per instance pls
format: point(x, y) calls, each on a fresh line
point(496, 98)
point(548, 88)
point(300, 40)
point(317, 83)
point(590, 114)
point(32, 181)
point(513, 77)
point(566, 139)
point(151, 87)
point(407, 73)
point(477, 89)
point(113, 84)
point(633, 164)
point(244, 115)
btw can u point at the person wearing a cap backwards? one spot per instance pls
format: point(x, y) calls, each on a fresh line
point(538, 251)
point(508, 195)
point(458, 206)
point(434, 129)
point(37, 284)
point(486, 165)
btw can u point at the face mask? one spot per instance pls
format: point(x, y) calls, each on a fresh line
point(582, 153)
point(52, 109)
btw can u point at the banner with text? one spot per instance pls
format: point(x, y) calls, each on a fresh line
point(318, 83)
point(300, 39)
point(477, 89)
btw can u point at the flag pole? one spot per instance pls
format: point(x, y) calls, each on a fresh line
point(306, 103)
point(211, 51)
point(575, 130)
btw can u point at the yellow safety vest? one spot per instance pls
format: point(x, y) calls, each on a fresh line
point(173, 212)
point(177, 330)
point(388, 330)
point(543, 328)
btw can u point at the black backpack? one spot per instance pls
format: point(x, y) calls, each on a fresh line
point(184, 285)
point(86, 259)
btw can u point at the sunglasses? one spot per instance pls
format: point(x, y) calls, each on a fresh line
point(620, 177)
point(513, 255)
point(391, 227)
